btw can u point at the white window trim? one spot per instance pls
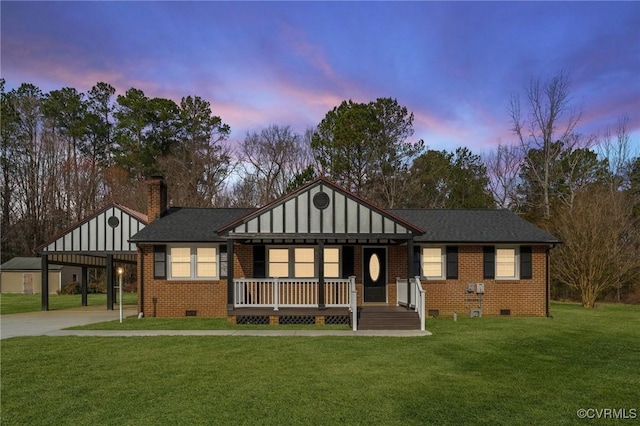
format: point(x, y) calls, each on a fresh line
point(516, 266)
point(291, 259)
point(193, 258)
point(443, 263)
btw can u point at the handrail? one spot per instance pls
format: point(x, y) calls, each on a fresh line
point(420, 296)
point(353, 302)
point(401, 291)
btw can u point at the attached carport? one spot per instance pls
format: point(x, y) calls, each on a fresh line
point(99, 241)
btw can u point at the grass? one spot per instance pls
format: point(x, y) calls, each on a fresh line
point(193, 324)
point(501, 371)
point(16, 303)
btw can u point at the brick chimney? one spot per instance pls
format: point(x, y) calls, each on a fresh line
point(156, 197)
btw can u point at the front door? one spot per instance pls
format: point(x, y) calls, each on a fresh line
point(375, 274)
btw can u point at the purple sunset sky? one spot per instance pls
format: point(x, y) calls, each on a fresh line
point(453, 64)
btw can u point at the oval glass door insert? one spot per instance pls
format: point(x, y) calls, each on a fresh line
point(374, 267)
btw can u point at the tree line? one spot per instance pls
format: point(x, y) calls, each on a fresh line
point(66, 153)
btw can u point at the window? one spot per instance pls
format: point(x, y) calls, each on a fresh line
point(432, 262)
point(332, 262)
point(278, 262)
point(300, 262)
point(205, 262)
point(180, 262)
point(304, 262)
point(193, 263)
point(506, 263)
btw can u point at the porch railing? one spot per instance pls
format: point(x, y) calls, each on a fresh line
point(289, 292)
point(412, 288)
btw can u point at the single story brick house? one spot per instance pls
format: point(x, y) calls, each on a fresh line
point(321, 251)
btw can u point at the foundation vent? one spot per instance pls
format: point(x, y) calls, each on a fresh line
point(253, 319)
point(296, 320)
point(337, 319)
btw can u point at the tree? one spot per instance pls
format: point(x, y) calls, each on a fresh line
point(8, 152)
point(503, 168)
point(146, 130)
point(272, 159)
point(634, 185)
point(600, 241)
point(618, 152)
point(343, 145)
point(99, 123)
point(365, 148)
point(570, 171)
point(197, 164)
point(65, 111)
point(98, 147)
point(35, 163)
point(547, 120)
point(393, 153)
point(441, 179)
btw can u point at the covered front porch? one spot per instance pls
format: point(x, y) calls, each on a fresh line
point(286, 301)
point(319, 248)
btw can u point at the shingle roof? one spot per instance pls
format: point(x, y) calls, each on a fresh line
point(474, 226)
point(26, 264)
point(182, 224)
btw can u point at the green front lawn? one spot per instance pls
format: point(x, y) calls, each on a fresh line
point(473, 371)
point(150, 323)
point(11, 303)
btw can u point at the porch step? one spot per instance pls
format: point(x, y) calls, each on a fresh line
point(387, 318)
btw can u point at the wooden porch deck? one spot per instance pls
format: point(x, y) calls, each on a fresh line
point(370, 317)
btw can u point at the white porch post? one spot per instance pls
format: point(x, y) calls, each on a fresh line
point(421, 302)
point(354, 302)
point(276, 293)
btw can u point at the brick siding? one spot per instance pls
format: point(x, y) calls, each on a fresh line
point(209, 298)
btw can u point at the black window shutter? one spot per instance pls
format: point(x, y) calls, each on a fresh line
point(416, 262)
point(159, 261)
point(489, 262)
point(223, 261)
point(259, 262)
point(452, 262)
point(526, 267)
point(348, 262)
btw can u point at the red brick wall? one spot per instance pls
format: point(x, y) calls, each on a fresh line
point(209, 298)
point(522, 297)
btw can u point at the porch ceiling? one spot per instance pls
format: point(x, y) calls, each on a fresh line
point(256, 238)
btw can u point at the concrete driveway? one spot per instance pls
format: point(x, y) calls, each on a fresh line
point(39, 323)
